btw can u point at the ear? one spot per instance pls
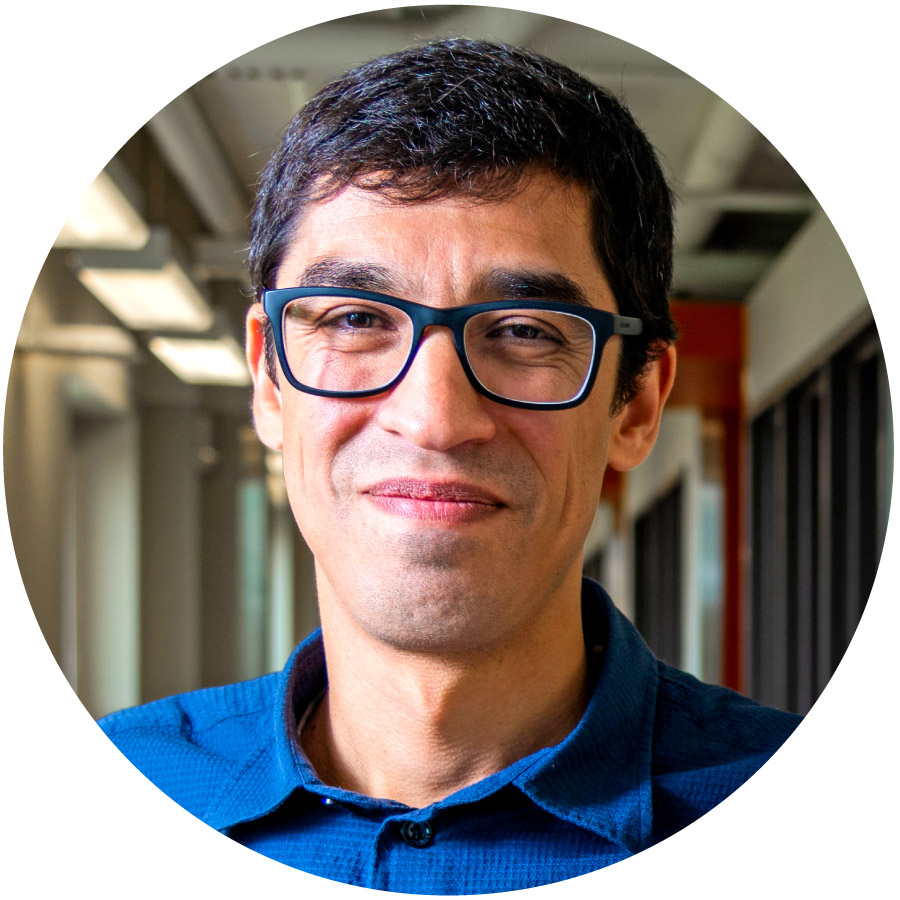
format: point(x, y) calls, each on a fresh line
point(634, 428)
point(267, 411)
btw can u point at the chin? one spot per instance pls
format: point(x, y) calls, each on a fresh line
point(438, 611)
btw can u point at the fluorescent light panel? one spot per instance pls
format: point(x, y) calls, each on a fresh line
point(150, 299)
point(104, 218)
point(199, 361)
point(80, 340)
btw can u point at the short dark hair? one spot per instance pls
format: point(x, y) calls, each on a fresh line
point(463, 117)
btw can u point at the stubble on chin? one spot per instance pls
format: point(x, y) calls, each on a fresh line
point(431, 608)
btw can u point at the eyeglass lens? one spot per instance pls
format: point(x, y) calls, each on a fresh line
point(344, 344)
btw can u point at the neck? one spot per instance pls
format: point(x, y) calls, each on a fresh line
point(415, 727)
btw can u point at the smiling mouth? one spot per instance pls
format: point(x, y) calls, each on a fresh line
point(441, 501)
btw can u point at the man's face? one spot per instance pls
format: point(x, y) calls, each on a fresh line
point(439, 519)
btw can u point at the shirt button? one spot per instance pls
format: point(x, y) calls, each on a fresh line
point(417, 834)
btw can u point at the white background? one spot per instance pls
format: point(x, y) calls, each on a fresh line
point(80, 78)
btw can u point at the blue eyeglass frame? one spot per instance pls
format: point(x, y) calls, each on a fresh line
point(604, 324)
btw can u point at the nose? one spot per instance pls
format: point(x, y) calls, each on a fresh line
point(435, 406)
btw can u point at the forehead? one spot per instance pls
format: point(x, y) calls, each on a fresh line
point(441, 250)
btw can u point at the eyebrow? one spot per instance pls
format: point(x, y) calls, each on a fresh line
point(531, 284)
point(498, 284)
point(344, 273)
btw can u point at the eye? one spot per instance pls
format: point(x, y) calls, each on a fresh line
point(523, 331)
point(528, 333)
point(353, 319)
point(359, 319)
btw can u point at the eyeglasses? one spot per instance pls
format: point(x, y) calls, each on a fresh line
point(337, 342)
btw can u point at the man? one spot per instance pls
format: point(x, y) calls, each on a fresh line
point(461, 255)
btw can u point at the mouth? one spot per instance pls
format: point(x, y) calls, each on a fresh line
point(439, 501)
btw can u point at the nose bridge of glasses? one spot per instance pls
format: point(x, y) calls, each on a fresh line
point(426, 319)
point(435, 327)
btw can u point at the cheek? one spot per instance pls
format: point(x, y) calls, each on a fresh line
point(580, 462)
point(315, 429)
point(568, 447)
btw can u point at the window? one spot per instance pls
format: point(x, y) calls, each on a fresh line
point(820, 490)
point(657, 576)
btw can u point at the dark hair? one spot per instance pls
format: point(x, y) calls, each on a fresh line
point(469, 117)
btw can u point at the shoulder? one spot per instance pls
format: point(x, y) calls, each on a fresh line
point(708, 741)
point(189, 743)
point(724, 722)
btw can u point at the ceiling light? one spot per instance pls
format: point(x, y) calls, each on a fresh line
point(79, 340)
point(199, 361)
point(106, 215)
point(147, 289)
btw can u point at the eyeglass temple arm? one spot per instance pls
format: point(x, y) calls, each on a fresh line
point(627, 325)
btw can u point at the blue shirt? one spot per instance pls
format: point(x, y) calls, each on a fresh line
point(655, 749)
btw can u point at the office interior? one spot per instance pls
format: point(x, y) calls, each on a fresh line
point(152, 528)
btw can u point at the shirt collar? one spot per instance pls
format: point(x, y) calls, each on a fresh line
point(276, 766)
point(597, 778)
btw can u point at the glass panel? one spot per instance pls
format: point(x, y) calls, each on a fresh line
point(345, 344)
point(538, 355)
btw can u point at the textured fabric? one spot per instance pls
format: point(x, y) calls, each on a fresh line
point(655, 749)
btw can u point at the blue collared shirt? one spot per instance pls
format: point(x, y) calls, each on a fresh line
point(655, 749)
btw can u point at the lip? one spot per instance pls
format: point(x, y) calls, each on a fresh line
point(440, 501)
